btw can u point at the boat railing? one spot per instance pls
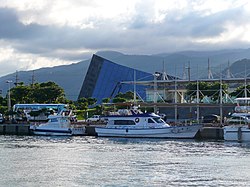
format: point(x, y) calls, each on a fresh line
point(185, 122)
point(124, 112)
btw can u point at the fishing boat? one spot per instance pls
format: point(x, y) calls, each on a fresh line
point(238, 125)
point(135, 124)
point(57, 125)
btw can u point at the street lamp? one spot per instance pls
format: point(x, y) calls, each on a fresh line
point(9, 101)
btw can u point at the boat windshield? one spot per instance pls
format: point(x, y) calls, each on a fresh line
point(158, 120)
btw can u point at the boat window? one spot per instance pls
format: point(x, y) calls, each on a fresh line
point(158, 120)
point(150, 120)
point(124, 122)
point(54, 120)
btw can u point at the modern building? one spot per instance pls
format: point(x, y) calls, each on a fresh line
point(104, 80)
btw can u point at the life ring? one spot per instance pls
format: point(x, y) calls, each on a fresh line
point(137, 120)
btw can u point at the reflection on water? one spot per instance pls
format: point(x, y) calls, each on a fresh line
point(91, 161)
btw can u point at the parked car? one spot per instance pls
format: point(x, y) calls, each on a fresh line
point(211, 118)
point(238, 120)
point(94, 118)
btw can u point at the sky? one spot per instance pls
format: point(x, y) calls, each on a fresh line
point(45, 33)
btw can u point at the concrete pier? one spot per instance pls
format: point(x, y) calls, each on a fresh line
point(214, 133)
point(15, 129)
point(90, 130)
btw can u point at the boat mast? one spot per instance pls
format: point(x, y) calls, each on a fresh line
point(245, 83)
point(221, 95)
point(135, 88)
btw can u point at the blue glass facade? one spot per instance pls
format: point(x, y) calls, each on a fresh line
point(103, 80)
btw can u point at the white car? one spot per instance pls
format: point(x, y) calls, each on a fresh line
point(94, 118)
point(238, 120)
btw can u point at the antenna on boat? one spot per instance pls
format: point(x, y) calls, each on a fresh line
point(245, 83)
point(135, 106)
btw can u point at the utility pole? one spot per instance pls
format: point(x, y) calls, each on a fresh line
point(9, 101)
point(189, 71)
point(135, 103)
point(17, 79)
point(33, 78)
point(229, 74)
point(197, 96)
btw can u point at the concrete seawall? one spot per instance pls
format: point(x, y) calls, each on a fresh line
point(206, 133)
point(15, 129)
point(24, 129)
point(211, 133)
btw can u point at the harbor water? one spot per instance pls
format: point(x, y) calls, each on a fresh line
point(91, 161)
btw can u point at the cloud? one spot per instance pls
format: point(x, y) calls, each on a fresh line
point(68, 31)
point(39, 39)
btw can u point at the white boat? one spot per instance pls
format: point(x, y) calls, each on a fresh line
point(135, 124)
point(238, 130)
point(57, 125)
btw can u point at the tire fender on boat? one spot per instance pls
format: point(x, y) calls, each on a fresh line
point(137, 120)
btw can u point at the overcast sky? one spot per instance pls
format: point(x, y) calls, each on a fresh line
point(43, 33)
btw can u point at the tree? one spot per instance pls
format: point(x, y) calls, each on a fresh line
point(106, 100)
point(3, 101)
point(128, 95)
point(119, 100)
point(20, 94)
point(82, 103)
point(91, 101)
point(214, 90)
point(48, 92)
point(240, 91)
point(206, 89)
point(192, 89)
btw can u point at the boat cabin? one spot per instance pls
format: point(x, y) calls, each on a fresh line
point(138, 120)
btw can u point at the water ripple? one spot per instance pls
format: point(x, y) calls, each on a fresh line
point(92, 161)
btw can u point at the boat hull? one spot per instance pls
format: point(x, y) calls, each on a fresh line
point(78, 131)
point(52, 132)
point(58, 131)
point(236, 133)
point(184, 132)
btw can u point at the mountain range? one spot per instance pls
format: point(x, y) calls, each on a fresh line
point(70, 77)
